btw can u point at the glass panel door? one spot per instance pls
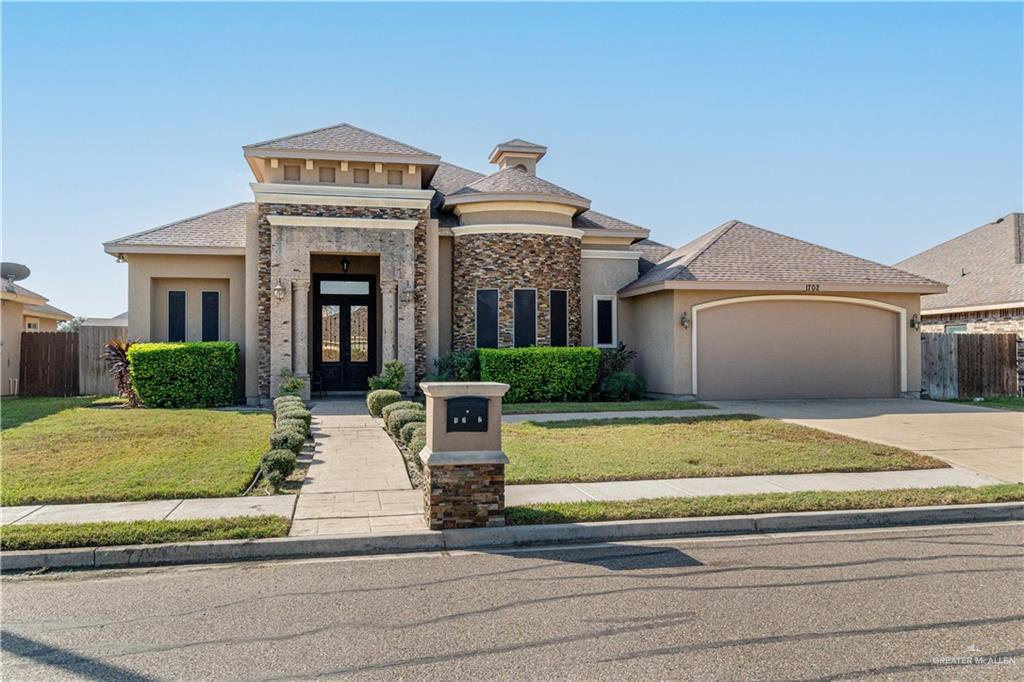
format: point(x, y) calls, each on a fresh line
point(359, 333)
point(330, 333)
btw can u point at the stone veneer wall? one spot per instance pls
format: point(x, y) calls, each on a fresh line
point(1009, 321)
point(507, 262)
point(264, 240)
point(464, 496)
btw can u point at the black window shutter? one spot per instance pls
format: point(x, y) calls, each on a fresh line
point(604, 322)
point(525, 317)
point(559, 307)
point(175, 316)
point(211, 316)
point(487, 318)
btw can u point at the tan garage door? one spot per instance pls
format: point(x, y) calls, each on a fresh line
point(797, 349)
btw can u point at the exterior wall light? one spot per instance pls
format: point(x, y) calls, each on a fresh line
point(344, 264)
point(915, 321)
point(685, 320)
point(279, 290)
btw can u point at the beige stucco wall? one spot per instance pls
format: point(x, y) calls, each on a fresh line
point(514, 217)
point(344, 178)
point(664, 346)
point(11, 325)
point(151, 276)
point(603, 277)
point(47, 324)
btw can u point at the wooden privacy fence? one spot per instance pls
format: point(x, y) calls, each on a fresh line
point(93, 375)
point(49, 364)
point(968, 365)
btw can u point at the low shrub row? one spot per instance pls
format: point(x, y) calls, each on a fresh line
point(291, 427)
point(202, 374)
point(381, 398)
point(548, 373)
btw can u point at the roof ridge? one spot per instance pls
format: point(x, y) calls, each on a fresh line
point(997, 221)
point(343, 124)
point(178, 222)
point(724, 227)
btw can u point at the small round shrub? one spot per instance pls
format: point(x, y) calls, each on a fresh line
point(279, 461)
point(287, 439)
point(378, 400)
point(293, 424)
point(406, 432)
point(417, 443)
point(400, 405)
point(623, 386)
point(399, 418)
point(296, 413)
point(283, 400)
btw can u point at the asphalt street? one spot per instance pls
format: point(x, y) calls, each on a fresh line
point(919, 603)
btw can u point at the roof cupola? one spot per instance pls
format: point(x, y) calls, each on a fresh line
point(518, 154)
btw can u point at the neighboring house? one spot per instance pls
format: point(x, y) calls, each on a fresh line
point(23, 310)
point(119, 321)
point(359, 249)
point(984, 269)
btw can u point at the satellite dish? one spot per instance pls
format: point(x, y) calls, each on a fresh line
point(14, 272)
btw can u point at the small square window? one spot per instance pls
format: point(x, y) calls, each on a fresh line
point(292, 173)
point(326, 174)
point(956, 328)
point(394, 177)
point(361, 176)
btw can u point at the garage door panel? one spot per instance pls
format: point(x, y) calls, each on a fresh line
point(797, 349)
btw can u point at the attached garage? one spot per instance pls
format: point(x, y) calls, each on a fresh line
point(743, 313)
point(796, 347)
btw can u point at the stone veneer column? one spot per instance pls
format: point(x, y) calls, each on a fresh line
point(389, 317)
point(300, 292)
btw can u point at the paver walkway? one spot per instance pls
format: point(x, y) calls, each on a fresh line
point(357, 482)
point(150, 510)
point(737, 485)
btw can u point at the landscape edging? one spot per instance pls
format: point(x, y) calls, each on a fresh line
point(505, 536)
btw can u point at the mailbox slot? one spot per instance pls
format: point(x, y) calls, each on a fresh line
point(466, 413)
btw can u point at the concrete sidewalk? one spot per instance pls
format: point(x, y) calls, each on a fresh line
point(739, 485)
point(150, 510)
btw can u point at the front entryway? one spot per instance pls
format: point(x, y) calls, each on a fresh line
point(344, 332)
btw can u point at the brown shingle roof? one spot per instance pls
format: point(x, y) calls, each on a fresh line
point(515, 181)
point(592, 220)
point(220, 228)
point(738, 252)
point(341, 138)
point(982, 267)
point(47, 310)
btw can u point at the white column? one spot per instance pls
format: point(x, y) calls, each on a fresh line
point(389, 314)
point(300, 293)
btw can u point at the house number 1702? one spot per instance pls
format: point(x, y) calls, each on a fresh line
point(812, 287)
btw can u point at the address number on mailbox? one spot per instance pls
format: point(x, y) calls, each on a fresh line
point(466, 414)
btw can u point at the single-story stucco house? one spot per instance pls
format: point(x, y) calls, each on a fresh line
point(23, 310)
point(358, 249)
point(984, 269)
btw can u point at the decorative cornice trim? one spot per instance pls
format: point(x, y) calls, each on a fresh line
point(483, 197)
point(611, 255)
point(332, 195)
point(902, 312)
point(517, 229)
point(331, 221)
point(368, 157)
point(540, 206)
point(782, 286)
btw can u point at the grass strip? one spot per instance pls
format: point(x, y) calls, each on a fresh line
point(624, 406)
point(762, 503)
point(1013, 403)
point(62, 535)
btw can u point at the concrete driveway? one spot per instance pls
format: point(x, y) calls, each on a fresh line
point(975, 438)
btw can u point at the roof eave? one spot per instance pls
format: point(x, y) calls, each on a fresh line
point(823, 287)
point(482, 197)
point(117, 250)
point(55, 314)
point(367, 157)
point(21, 298)
point(979, 307)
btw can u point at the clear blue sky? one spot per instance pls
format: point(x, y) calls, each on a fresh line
point(875, 129)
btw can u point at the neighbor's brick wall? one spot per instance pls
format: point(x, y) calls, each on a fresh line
point(264, 236)
point(464, 496)
point(1009, 321)
point(507, 262)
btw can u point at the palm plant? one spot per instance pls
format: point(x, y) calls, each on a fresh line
point(116, 355)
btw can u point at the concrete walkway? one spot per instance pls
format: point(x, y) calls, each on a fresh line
point(357, 482)
point(150, 510)
point(738, 485)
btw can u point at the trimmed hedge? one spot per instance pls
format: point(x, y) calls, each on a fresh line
point(281, 401)
point(399, 418)
point(287, 439)
point(400, 405)
point(296, 412)
point(418, 442)
point(379, 399)
point(277, 465)
point(405, 434)
point(202, 374)
point(623, 386)
point(293, 424)
point(542, 373)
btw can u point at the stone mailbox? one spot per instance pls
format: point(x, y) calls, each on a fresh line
point(463, 463)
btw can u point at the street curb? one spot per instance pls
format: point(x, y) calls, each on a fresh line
point(507, 536)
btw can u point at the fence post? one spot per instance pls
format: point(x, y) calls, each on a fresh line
point(463, 463)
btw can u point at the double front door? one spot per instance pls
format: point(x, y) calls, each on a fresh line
point(344, 333)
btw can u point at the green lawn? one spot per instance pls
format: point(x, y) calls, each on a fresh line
point(63, 450)
point(678, 447)
point(1001, 402)
point(764, 503)
point(545, 408)
point(52, 535)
